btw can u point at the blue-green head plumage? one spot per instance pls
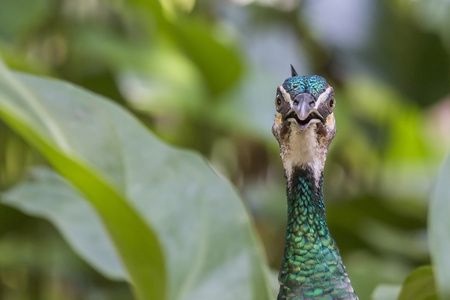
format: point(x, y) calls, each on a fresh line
point(314, 85)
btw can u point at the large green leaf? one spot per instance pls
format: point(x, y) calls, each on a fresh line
point(439, 231)
point(37, 112)
point(147, 194)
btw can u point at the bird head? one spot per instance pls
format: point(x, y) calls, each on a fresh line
point(304, 122)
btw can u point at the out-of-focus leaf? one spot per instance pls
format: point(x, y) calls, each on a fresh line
point(13, 26)
point(154, 77)
point(431, 14)
point(248, 108)
point(202, 225)
point(218, 63)
point(171, 7)
point(405, 156)
point(419, 285)
point(36, 110)
point(394, 37)
point(367, 271)
point(439, 230)
point(386, 292)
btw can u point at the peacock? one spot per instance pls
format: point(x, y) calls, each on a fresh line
point(304, 126)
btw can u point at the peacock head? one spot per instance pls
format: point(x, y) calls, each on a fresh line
point(304, 122)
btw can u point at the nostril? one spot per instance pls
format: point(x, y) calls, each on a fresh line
point(295, 102)
point(311, 103)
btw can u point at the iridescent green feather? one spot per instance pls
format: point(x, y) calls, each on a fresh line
point(312, 267)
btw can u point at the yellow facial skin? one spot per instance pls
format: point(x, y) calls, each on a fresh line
point(278, 119)
point(330, 120)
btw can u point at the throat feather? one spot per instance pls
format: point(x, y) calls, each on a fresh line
point(303, 150)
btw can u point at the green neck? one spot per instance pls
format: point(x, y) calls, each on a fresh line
point(312, 267)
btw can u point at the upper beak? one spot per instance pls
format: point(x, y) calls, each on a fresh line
point(303, 104)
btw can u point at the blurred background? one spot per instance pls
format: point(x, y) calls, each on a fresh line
point(202, 75)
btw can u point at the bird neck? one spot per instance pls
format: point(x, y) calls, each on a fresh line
point(312, 267)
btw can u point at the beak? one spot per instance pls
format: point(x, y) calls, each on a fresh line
point(303, 104)
point(303, 111)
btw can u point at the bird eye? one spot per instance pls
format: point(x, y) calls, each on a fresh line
point(278, 100)
point(332, 103)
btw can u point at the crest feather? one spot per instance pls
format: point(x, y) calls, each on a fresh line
point(293, 72)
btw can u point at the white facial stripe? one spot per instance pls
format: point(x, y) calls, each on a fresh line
point(285, 94)
point(323, 97)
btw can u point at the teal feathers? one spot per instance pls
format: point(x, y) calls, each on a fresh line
point(313, 85)
point(312, 267)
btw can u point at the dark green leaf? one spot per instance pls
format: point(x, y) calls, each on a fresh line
point(218, 63)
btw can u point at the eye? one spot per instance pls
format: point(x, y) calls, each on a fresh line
point(331, 103)
point(278, 100)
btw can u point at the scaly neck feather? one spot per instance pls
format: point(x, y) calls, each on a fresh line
point(312, 267)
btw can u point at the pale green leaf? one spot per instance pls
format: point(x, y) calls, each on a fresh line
point(71, 214)
point(439, 230)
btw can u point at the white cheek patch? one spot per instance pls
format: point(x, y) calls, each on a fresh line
point(323, 97)
point(285, 94)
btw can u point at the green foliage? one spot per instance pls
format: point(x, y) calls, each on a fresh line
point(169, 218)
point(421, 283)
